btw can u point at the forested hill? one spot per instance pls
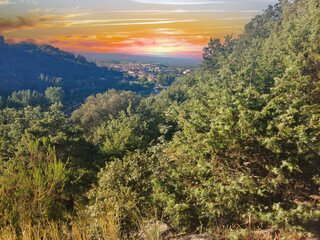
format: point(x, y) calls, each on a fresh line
point(36, 67)
point(232, 149)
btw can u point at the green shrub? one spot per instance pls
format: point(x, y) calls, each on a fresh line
point(32, 186)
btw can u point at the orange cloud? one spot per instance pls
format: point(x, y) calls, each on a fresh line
point(128, 35)
point(160, 41)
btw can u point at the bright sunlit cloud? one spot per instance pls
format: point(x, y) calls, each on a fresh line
point(187, 11)
point(178, 2)
point(234, 18)
point(151, 22)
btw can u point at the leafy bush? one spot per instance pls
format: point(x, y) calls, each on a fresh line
point(249, 139)
point(123, 192)
point(98, 109)
point(121, 135)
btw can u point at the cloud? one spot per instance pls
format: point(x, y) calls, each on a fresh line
point(74, 15)
point(153, 41)
point(19, 22)
point(36, 19)
point(98, 22)
point(169, 31)
point(6, 2)
point(30, 1)
point(178, 2)
point(150, 22)
point(119, 22)
point(234, 18)
point(40, 19)
point(187, 11)
point(74, 12)
point(31, 20)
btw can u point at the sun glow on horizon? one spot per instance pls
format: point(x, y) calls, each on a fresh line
point(148, 27)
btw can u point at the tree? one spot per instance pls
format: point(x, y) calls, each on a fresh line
point(123, 193)
point(25, 98)
point(54, 94)
point(118, 136)
point(166, 79)
point(97, 110)
point(32, 186)
point(215, 55)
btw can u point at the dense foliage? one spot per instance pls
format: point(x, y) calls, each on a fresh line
point(98, 109)
point(246, 141)
point(231, 148)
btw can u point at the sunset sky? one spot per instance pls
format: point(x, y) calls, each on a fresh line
point(178, 28)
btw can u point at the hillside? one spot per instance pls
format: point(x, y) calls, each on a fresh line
point(238, 152)
point(36, 67)
point(231, 150)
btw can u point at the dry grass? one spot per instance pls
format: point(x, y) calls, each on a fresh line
point(80, 229)
point(105, 229)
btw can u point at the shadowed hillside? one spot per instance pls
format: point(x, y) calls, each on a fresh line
point(36, 67)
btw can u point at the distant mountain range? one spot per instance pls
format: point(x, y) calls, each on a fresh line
point(137, 58)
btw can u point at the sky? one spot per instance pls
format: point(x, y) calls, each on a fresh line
point(177, 28)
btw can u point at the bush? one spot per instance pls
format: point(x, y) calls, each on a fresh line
point(32, 187)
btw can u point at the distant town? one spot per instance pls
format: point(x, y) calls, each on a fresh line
point(148, 74)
